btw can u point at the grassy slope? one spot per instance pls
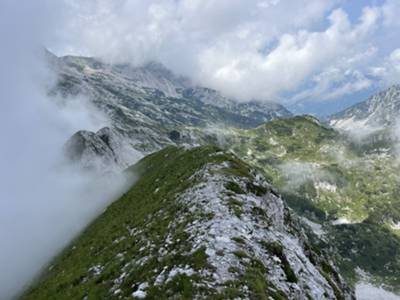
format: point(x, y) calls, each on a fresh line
point(135, 209)
point(139, 220)
point(367, 187)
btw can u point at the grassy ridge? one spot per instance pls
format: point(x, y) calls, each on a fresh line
point(70, 279)
point(127, 236)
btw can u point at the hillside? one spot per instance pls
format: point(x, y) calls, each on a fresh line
point(344, 185)
point(196, 224)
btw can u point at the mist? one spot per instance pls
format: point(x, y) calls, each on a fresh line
point(44, 202)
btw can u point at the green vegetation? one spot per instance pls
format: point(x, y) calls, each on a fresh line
point(120, 250)
point(234, 187)
point(276, 249)
point(135, 227)
point(324, 175)
point(371, 247)
point(320, 172)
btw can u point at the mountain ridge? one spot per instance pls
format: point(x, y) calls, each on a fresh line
point(378, 111)
point(197, 224)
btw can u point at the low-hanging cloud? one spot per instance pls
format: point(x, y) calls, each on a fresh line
point(44, 202)
point(258, 49)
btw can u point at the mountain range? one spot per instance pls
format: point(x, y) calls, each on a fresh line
point(380, 110)
point(145, 104)
point(233, 200)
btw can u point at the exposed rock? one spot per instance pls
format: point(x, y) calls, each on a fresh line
point(103, 151)
point(197, 224)
point(146, 103)
point(380, 110)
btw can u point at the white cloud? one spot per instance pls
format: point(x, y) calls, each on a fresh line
point(251, 74)
point(248, 49)
point(217, 42)
point(333, 83)
point(388, 72)
point(391, 13)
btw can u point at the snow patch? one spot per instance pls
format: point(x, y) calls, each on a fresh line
point(342, 220)
point(367, 291)
point(324, 185)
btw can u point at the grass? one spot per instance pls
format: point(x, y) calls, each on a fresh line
point(276, 249)
point(367, 184)
point(127, 237)
point(142, 211)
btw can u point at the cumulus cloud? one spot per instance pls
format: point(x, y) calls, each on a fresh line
point(296, 57)
point(260, 49)
point(388, 72)
point(333, 83)
point(391, 12)
point(218, 43)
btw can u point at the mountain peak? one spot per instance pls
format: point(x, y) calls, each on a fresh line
point(378, 111)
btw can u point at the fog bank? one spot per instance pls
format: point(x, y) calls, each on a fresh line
point(44, 203)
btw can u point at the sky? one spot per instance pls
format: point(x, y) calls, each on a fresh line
point(313, 56)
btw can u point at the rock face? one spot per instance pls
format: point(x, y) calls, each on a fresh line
point(146, 103)
point(381, 110)
point(197, 224)
point(102, 151)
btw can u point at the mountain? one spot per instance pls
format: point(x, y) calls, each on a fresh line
point(301, 155)
point(351, 189)
point(197, 224)
point(345, 191)
point(146, 104)
point(380, 110)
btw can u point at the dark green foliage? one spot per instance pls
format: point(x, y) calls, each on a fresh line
point(236, 206)
point(239, 240)
point(234, 187)
point(240, 254)
point(276, 249)
point(304, 206)
point(174, 135)
point(369, 246)
point(256, 189)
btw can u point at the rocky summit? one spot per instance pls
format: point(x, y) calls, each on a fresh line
point(380, 110)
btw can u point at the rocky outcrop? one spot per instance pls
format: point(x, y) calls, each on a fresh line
point(103, 151)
